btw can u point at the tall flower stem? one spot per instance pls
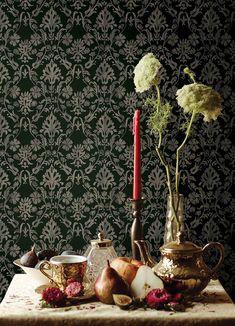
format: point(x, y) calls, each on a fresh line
point(167, 168)
point(158, 96)
point(179, 149)
point(169, 184)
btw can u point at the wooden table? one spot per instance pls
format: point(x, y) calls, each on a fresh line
point(21, 306)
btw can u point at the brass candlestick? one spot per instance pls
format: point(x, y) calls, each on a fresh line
point(136, 228)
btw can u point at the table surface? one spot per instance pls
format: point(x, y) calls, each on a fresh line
point(21, 306)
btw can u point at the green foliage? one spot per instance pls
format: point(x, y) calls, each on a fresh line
point(160, 116)
point(46, 305)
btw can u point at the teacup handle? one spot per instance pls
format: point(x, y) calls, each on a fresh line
point(220, 247)
point(48, 266)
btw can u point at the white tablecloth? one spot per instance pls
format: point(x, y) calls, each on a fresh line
point(21, 306)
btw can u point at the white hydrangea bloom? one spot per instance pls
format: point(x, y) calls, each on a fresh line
point(145, 72)
point(201, 98)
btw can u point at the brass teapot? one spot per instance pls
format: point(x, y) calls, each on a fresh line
point(182, 267)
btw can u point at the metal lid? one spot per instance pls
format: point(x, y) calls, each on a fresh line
point(180, 246)
point(101, 242)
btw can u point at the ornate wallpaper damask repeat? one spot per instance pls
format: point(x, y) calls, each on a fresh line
point(66, 106)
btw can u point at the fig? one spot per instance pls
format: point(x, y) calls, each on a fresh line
point(122, 300)
point(46, 254)
point(69, 252)
point(30, 258)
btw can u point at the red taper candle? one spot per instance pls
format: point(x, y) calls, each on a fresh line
point(137, 156)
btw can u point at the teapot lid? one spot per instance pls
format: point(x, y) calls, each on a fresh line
point(180, 246)
point(101, 242)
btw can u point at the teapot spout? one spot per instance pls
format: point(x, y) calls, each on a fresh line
point(144, 253)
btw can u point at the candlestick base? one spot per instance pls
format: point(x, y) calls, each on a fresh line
point(136, 228)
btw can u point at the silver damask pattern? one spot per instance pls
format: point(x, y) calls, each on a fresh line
point(66, 106)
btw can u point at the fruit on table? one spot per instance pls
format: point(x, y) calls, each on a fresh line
point(126, 267)
point(46, 254)
point(121, 300)
point(30, 258)
point(108, 283)
point(145, 281)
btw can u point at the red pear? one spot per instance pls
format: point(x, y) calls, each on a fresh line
point(108, 283)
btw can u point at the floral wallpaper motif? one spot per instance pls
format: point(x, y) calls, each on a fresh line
point(66, 106)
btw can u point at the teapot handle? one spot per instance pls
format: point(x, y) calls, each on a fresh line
point(220, 247)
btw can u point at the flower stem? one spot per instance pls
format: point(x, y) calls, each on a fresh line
point(158, 96)
point(169, 184)
point(167, 168)
point(179, 149)
point(157, 108)
point(190, 73)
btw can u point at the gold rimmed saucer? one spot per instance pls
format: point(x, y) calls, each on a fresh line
point(88, 292)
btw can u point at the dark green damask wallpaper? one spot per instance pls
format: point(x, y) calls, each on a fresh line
point(66, 106)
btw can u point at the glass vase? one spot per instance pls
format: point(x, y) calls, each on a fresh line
point(99, 251)
point(171, 224)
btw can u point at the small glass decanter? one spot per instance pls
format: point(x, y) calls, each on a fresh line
point(171, 224)
point(99, 251)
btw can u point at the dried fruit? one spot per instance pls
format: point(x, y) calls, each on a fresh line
point(46, 254)
point(30, 258)
point(121, 300)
